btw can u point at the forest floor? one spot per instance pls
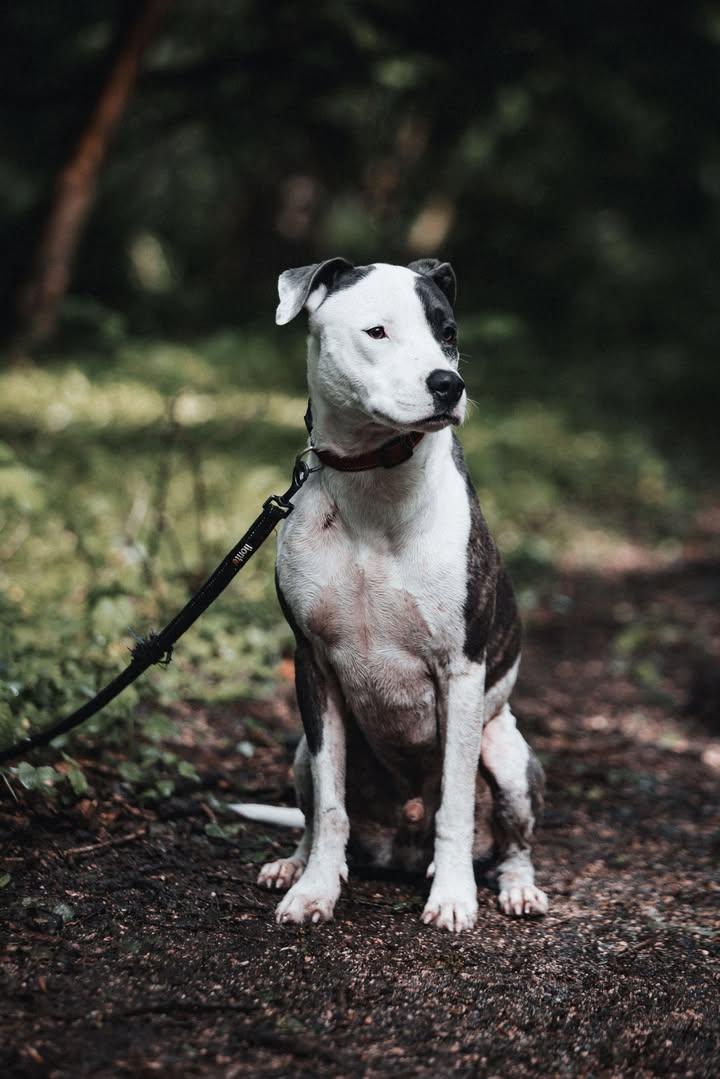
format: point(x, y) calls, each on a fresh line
point(136, 941)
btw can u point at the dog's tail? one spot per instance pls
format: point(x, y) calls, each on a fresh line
point(283, 816)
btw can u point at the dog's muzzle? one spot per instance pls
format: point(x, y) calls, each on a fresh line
point(446, 387)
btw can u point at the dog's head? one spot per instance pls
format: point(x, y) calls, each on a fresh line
point(383, 339)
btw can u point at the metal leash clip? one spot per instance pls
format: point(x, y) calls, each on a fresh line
point(280, 503)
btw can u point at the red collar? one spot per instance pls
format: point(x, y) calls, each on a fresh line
point(388, 455)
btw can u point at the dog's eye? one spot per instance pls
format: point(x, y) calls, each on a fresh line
point(376, 332)
point(450, 335)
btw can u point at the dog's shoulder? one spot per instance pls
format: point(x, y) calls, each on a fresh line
point(314, 519)
point(312, 549)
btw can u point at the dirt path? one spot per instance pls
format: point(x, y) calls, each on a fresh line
point(135, 943)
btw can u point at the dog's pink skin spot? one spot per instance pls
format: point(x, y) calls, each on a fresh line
point(414, 811)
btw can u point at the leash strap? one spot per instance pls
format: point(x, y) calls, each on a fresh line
point(158, 647)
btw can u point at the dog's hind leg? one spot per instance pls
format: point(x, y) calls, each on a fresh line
point(516, 779)
point(283, 873)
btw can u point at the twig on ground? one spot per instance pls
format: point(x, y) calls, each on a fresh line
point(116, 841)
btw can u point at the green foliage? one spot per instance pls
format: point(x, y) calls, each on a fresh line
point(549, 488)
point(34, 778)
point(125, 484)
point(119, 494)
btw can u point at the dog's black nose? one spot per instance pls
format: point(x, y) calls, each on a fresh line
point(446, 387)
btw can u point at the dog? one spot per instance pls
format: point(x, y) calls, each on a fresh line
point(406, 628)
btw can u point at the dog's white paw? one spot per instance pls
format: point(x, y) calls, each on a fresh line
point(519, 900)
point(453, 911)
point(310, 900)
point(281, 874)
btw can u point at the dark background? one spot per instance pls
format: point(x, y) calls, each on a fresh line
point(565, 158)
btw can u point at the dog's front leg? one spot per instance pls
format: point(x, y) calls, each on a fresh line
point(313, 897)
point(452, 903)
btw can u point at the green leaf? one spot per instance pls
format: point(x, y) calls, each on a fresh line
point(215, 831)
point(157, 726)
point(32, 779)
point(26, 775)
point(130, 771)
point(165, 787)
point(187, 770)
point(5, 879)
point(77, 779)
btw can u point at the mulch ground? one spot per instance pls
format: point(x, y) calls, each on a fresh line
point(135, 943)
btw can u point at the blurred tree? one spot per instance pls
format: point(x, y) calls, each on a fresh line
point(75, 186)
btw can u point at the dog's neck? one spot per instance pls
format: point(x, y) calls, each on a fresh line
point(344, 430)
point(366, 495)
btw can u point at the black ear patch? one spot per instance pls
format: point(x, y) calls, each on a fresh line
point(441, 273)
point(294, 286)
point(437, 307)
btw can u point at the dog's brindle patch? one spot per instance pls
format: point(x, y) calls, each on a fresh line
point(309, 684)
point(492, 626)
point(504, 640)
point(481, 571)
point(511, 824)
point(376, 795)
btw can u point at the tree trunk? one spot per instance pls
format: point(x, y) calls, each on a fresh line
point(75, 187)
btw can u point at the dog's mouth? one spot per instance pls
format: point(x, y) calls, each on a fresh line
point(436, 422)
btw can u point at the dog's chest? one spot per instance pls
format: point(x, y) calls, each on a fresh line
point(375, 629)
point(386, 616)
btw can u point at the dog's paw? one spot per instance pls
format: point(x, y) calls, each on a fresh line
point(453, 911)
point(519, 900)
point(281, 874)
point(309, 901)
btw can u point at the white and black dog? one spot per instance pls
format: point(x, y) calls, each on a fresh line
point(407, 632)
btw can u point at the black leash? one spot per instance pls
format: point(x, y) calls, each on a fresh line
point(158, 647)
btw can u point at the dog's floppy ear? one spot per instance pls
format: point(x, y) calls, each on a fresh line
point(295, 286)
point(441, 273)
